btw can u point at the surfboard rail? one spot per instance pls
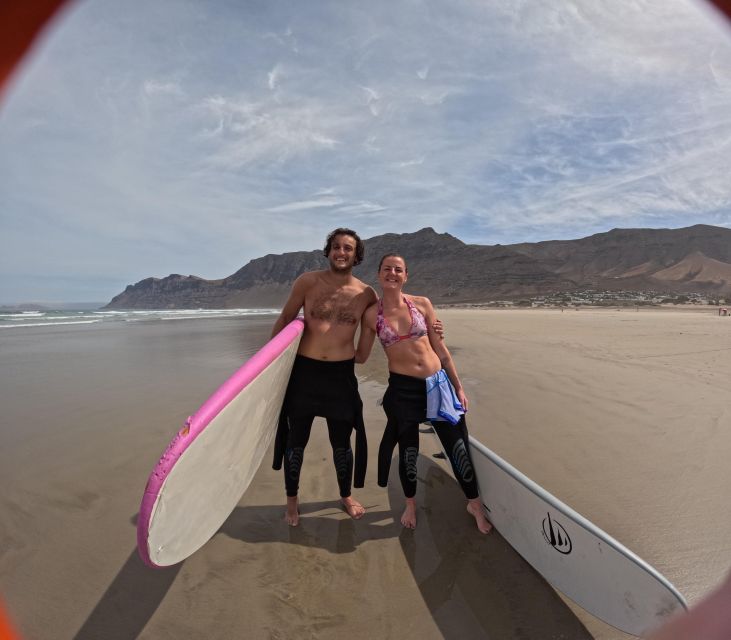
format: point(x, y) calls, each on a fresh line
point(197, 424)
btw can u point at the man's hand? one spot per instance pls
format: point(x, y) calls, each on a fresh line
point(438, 328)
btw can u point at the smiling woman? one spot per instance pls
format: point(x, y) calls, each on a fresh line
point(423, 385)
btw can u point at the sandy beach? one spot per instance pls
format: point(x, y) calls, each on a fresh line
point(623, 415)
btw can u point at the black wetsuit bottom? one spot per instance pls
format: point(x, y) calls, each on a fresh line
point(405, 407)
point(299, 434)
point(329, 390)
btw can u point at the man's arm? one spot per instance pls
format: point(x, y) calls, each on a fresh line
point(294, 303)
point(438, 328)
point(367, 334)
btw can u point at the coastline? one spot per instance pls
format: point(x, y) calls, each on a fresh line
point(502, 306)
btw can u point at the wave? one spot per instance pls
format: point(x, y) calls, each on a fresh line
point(66, 317)
point(46, 324)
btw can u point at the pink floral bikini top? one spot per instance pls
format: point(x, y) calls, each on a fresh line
point(388, 335)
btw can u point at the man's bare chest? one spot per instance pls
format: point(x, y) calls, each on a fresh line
point(334, 306)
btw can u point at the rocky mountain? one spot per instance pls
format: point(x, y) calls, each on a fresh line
point(692, 259)
point(639, 259)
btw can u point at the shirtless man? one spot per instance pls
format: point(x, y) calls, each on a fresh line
point(323, 381)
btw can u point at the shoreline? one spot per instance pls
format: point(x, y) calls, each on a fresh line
point(686, 308)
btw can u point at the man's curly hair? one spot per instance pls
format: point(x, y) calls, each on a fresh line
point(342, 231)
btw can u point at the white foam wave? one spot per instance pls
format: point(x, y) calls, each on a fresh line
point(35, 318)
point(50, 323)
point(23, 315)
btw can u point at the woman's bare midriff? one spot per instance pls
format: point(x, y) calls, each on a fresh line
point(413, 358)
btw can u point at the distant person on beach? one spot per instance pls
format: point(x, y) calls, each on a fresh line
point(323, 381)
point(423, 384)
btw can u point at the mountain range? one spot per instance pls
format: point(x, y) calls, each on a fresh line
point(675, 261)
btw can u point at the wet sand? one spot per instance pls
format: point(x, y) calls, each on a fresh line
point(623, 415)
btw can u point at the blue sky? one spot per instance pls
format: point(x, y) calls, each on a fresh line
point(190, 136)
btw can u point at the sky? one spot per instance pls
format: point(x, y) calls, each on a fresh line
point(149, 137)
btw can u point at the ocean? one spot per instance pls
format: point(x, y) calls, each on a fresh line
point(65, 317)
point(72, 371)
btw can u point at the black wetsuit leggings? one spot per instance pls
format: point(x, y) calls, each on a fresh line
point(405, 406)
point(299, 434)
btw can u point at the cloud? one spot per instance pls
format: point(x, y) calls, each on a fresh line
point(372, 100)
point(274, 77)
point(305, 205)
point(191, 137)
point(410, 163)
point(157, 87)
point(267, 131)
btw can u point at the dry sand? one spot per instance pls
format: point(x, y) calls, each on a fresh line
point(623, 415)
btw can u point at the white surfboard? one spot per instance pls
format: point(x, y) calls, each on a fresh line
point(575, 556)
point(206, 468)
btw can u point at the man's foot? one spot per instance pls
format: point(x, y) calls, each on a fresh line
point(292, 514)
point(352, 507)
point(408, 517)
point(474, 508)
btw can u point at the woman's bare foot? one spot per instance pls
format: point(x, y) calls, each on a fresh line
point(352, 507)
point(292, 515)
point(408, 518)
point(474, 508)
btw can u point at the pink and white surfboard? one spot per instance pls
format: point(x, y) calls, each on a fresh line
point(211, 461)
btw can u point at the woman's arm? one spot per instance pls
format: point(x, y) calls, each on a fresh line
point(440, 348)
point(367, 334)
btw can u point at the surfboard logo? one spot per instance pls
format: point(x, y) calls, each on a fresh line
point(556, 536)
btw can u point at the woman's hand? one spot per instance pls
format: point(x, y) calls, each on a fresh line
point(462, 398)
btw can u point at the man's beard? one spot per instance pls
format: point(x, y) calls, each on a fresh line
point(341, 266)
